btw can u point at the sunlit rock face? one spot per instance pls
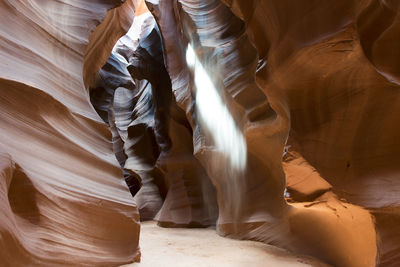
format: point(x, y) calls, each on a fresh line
point(151, 136)
point(274, 120)
point(298, 76)
point(342, 97)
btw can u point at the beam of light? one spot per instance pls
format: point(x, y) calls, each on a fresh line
point(214, 114)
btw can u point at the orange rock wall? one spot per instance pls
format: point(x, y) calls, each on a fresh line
point(312, 85)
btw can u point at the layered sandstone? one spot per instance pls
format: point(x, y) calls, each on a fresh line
point(274, 120)
point(63, 199)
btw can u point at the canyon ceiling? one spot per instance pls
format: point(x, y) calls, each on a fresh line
point(275, 120)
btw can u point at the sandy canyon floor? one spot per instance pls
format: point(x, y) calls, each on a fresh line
point(179, 247)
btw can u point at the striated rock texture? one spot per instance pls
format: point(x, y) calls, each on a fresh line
point(310, 60)
point(63, 198)
point(274, 120)
point(151, 136)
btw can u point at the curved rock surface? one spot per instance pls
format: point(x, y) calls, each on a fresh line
point(274, 120)
point(64, 201)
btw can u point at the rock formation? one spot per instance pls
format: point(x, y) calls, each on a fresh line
point(63, 199)
point(273, 120)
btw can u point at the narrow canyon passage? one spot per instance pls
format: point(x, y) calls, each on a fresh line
point(199, 133)
point(249, 193)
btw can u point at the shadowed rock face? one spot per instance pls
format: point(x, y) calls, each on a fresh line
point(63, 199)
point(274, 120)
point(251, 201)
point(151, 136)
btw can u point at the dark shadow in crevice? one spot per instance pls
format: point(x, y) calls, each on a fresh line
point(22, 196)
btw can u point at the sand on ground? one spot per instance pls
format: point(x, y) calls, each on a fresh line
point(182, 247)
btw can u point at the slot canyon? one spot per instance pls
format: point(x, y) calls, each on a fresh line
point(200, 133)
